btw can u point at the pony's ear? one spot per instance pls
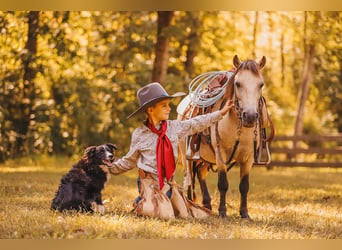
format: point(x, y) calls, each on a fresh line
point(89, 150)
point(262, 62)
point(236, 61)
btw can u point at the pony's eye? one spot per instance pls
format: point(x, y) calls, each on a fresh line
point(262, 85)
point(238, 84)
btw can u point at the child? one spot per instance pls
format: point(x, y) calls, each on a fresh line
point(154, 150)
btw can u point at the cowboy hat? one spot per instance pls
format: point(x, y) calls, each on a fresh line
point(150, 95)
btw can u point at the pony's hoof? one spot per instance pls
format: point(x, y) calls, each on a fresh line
point(244, 214)
point(208, 206)
point(98, 208)
point(245, 217)
point(222, 215)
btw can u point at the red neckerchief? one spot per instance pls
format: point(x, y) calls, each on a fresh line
point(165, 158)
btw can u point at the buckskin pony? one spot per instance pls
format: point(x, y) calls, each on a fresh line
point(238, 138)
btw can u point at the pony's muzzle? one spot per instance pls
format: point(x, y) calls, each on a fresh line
point(249, 118)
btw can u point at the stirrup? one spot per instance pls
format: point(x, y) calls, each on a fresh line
point(189, 155)
point(268, 155)
point(194, 157)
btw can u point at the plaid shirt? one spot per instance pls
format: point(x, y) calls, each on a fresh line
point(142, 151)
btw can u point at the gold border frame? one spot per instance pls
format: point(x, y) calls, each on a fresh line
point(101, 5)
point(289, 5)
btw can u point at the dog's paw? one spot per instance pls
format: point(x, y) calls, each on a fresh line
point(100, 209)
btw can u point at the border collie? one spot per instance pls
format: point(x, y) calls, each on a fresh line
point(80, 188)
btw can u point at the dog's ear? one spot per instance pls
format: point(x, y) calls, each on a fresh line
point(112, 146)
point(90, 150)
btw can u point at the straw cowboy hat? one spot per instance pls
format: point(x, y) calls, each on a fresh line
point(150, 95)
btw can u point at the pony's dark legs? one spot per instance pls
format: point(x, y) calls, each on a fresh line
point(202, 173)
point(191, 191)
point(244, 187)
point(223, 188)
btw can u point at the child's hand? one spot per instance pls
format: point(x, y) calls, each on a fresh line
point(227, 107)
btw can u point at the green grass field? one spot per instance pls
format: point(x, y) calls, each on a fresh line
point(284, 203)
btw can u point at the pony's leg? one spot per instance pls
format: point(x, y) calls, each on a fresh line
point(188, 182)
point(244, 188)
point(202, 173)
point(191, 190)
point(223, 188)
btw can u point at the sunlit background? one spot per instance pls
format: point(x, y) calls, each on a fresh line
point(71, 81)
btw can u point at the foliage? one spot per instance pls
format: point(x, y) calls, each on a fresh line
point(89, 66)
point(282, 204)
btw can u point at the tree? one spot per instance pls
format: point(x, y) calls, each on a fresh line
point(162, 47)
point(193, 43)
point(255, 31)
point(21, 125)
point(309, 48)
point(305, 85)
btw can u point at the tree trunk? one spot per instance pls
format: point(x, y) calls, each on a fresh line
point(305, 33)
point(305, 84)
point(28, 92)
point(193, 44)
point(255, 31)
point(162, 47)
point(309, 54)
point(282, 56)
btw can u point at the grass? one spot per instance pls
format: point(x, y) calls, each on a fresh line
point(284, 203)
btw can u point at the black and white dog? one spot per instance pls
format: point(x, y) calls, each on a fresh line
point(80, 188)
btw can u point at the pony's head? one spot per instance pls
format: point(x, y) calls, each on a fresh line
point(247, 86)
